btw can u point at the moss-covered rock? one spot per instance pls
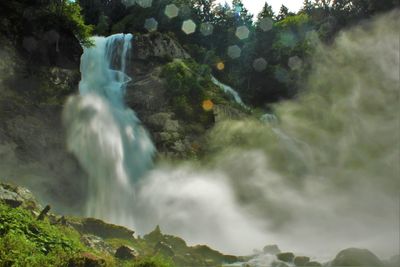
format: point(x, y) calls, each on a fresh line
point(356, 257)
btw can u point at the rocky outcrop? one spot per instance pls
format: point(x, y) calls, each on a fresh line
point(157, 46)
point(100, 228)
point(18, 196)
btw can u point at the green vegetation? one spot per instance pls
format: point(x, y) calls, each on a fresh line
point(25, 241)
point(188, 86)
point(286, 41)
point(29, 17)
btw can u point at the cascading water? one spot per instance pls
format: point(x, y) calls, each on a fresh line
point(322, 178)
point(105, 135)
point(229, 90)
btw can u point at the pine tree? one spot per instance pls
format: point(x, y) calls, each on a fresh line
point(283, 13)
point(266, 12)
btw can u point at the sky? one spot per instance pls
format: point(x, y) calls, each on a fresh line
point(255, 6)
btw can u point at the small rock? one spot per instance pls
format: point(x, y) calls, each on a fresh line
point(271, 249)
point(356, 257)
point(126, 253)
point(301, 261)
point(286, 257)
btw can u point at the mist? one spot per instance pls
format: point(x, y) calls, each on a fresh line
point(323, 178)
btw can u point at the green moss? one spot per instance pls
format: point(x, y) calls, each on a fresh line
point(188, 85)
point(25, 241)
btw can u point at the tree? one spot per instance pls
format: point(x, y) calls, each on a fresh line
point(266, 12)
point(283, 13)
point(242, 14)
point(307, 7)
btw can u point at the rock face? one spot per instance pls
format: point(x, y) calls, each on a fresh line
point(356, 257)
point(158, 46)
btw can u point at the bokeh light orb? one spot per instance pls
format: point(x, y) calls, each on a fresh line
point(234, 51)
point(188, 26)
point(265, 24)
point(242, 32)
point(151, 24)
point(259, 64)
point(220, 66)
point(206, 29)
point(144, 3)
point(208, 105)
point(171, 11)
point(295, 63)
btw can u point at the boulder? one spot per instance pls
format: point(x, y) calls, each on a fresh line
point(126, 253)
point(279, 264)
point(356, 257)
point(271, 249)
point(301, 261)
point(286, 256)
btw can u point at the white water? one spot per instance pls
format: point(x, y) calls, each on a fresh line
point(106, 136)
point(229, 90)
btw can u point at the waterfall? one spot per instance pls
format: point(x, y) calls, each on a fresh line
point(106, 137)
point(229, 90)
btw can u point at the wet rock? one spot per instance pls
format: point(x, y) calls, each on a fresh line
point(279, 264)
point(301, 261)
point(271, 249)
point(126, 253)
point(96, 243)
point(356, 257)
point(314, 263)
point(286, 256)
